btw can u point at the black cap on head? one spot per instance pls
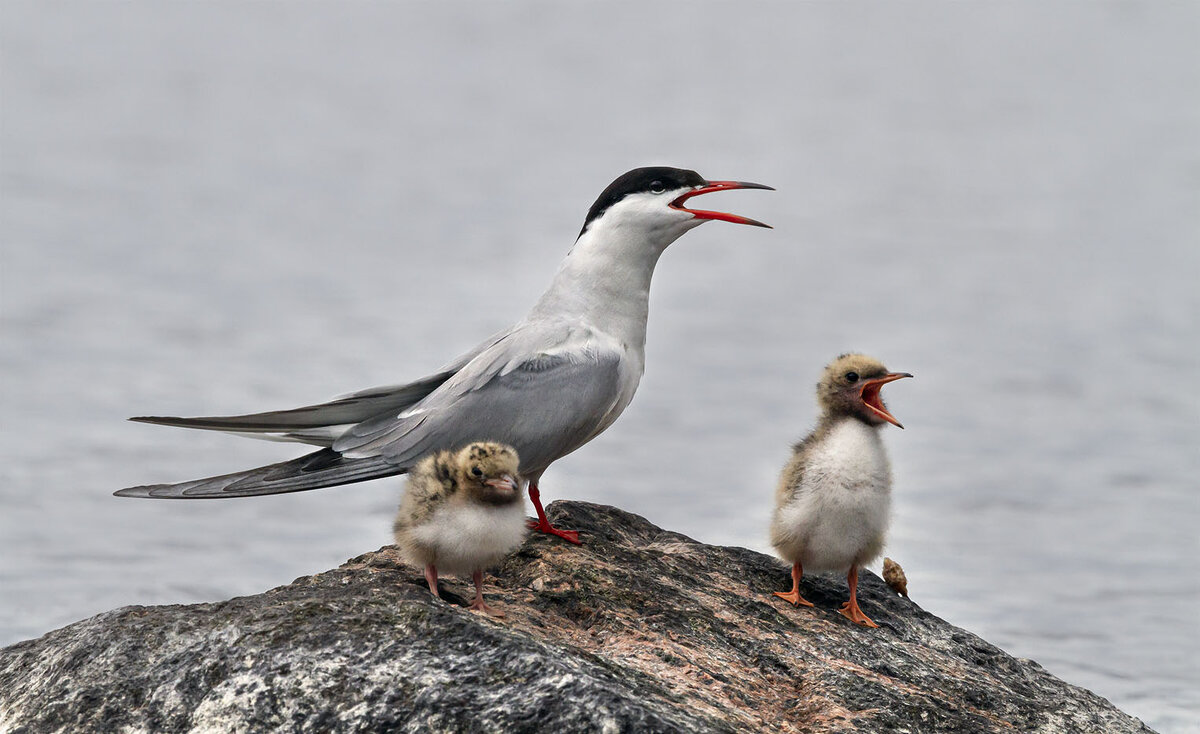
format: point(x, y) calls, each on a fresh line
point(653, 178)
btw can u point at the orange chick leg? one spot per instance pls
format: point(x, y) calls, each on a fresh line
point(850, 609)
point(793, 596)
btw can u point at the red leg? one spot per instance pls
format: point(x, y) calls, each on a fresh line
point(542, 525)
point(431, 577)
point(850, 609)
point(478, 604)
point(793, 596)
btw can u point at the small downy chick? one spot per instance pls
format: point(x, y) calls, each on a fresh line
point(894, 576)
point(833, 503)
point(462, 512)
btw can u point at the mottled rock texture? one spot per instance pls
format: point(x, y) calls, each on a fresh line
point(638, 630)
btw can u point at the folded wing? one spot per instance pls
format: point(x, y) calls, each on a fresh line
point(324, 468)
point(322, 423)
point(544, 403)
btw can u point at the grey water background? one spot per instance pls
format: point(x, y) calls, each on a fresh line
point(228, 207)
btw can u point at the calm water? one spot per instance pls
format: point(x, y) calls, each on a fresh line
point(231, 207)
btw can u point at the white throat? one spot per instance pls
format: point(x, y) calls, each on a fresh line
point(605, 279)
point(852, 455)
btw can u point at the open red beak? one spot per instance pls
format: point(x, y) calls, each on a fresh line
point(870, 395)
point(712, 186)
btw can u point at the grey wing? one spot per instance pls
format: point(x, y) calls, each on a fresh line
point(545, 406)
point(324, 468)
point(320, 424)
point(310, 423)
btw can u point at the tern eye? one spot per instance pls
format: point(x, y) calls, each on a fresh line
point(476, 471)
point(657, 187)
point(852, 377)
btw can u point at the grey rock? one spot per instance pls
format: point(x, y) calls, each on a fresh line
point(638, 630)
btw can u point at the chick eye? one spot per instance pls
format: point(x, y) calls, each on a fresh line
point(852, 377)
point(476, 471)
point(657, 187)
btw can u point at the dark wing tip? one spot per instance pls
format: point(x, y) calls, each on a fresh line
point(322, 468)
point(133, 492)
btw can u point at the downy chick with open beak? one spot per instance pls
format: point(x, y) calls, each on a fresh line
point(833, 504)
point(462, 512)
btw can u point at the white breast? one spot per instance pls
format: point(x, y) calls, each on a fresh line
point(840, 513)
point(459, 537)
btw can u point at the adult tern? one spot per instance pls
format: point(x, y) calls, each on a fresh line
point(545, 386)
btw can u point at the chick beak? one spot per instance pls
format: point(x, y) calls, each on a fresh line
point(870, 395)
point(708, 188)
point(506, 483)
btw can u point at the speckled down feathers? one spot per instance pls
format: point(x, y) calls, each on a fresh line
point(446, 517)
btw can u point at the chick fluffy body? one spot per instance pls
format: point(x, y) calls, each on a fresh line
point(833, 502)
point(451, 518)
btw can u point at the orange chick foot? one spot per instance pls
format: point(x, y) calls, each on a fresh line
point(851, 612)
point(793, 597)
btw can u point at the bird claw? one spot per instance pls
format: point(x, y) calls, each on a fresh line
point(571, 536)
point(851, 612)
point(794, 598)
point(479, 606)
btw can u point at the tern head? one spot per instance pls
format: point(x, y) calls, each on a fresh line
point(487, 471)
point(850, 387)
point(653, 200)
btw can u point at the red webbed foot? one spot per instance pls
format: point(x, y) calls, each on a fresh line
point(542, 523)
point(544, 526)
